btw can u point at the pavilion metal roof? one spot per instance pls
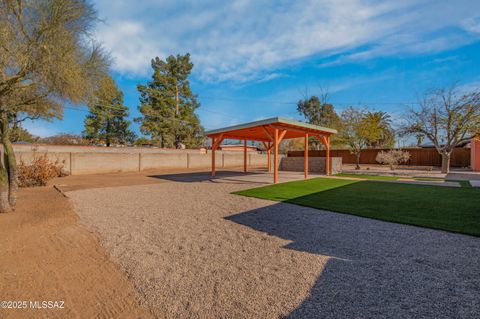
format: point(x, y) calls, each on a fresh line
point(274, 121)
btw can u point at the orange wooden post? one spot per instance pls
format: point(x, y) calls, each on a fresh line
point(327, 160)
point(268, 157)
point(475, 155)
point(305, 157)
point(244, 156)
point(213, 156)
point(275, 160)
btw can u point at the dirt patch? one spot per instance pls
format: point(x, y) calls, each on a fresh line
point(78, 182)
point(46, 255)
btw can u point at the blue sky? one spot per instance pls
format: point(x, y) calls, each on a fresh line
point(255, 59)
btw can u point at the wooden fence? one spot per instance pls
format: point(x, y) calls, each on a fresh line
point(418, 156)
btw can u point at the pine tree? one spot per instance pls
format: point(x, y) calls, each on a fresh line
point(106, 121)
point(168, 104)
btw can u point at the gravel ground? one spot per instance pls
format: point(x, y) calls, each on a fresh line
point(195, 251)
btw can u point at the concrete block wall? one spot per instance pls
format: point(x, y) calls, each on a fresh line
point(204, 160)
point(163, 160)
point(315, 164)
point(93, 163)
point(63, 158)
point(83, 160)
point(84, 163)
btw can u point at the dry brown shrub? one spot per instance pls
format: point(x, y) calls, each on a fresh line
point(39, 171)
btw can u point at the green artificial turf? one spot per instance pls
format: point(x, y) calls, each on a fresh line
point(448, 208)
point(462, 183)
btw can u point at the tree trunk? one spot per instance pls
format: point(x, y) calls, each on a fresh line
point(9, 162)
point(177, 110)
point(4, 203)
point(11, 165)
point(445, 162)
point(107, 134)
point(4, 178)
point(357, 160)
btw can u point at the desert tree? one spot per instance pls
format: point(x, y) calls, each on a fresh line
point(358, 131)
point(354, 132)
point(106, 121)
point(46, 60)
point(168, 104)
point(316, 110)
point(445, 116)
point(293, 144)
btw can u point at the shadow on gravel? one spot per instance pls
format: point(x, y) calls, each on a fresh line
point(376, 269)
point(220, 176)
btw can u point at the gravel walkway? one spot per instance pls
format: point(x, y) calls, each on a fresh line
point(195, 251)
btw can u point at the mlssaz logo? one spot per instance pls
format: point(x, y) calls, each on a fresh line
point(47, 304)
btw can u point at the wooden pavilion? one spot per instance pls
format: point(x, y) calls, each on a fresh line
point(271, 132)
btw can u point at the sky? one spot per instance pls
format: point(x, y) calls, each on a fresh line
point(256, 59)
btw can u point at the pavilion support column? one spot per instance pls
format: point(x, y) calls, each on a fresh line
point(268, 157)
point(327, 159)
point(244, 156)
point(275, 155)
point(213, 156)
point(305, 157)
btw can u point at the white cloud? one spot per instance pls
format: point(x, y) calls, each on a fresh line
point(248, 40)
point(472, 24)
point(131, 48)
point(469, 87)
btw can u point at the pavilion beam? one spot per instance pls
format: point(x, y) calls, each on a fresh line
point(216, 141)
point(325, 140)
point(268, 147)
point(265, 145)
point(245, 156)
point(282, 135)
point(327, 160)
point(305, 157)
point(278, 136)
point(213, 156)
point(275, 159)
point(236, 137)
point(267, 133)
point(280, 127)
point(268, 157)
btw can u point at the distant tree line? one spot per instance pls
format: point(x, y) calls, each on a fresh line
point(444, 116)
point(358, 128)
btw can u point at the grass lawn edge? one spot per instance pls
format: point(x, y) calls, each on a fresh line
point(357, 214)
